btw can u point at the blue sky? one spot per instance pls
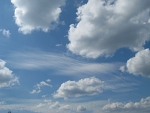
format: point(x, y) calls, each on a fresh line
point(71, 56)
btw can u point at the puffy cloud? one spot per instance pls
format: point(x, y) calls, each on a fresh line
point(143, 106)
point(6, 76)
point(87, 86)
point(38, 86)
point(107, 25)
point(5, 32)
point(37, 14)
point(65, 107)
point(140, 64)
point(81, 108)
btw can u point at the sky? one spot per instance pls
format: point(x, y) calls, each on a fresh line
point(75, 56)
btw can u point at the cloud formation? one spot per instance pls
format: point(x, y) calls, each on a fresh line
point(38, 86)
point(143, 106)
point(140, 64)
point(5, 32)
point(87, 86)
point(6, 76)
point(107, 25)
point(81, 109)
point(36, 14)
point(65, 65)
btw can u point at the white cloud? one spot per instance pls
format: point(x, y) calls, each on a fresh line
point(143, 106)
point(62, 63)
point(5, 32)
point(38, 86)
point(107, 25)
point(2, 102)
point(87, 86)
point(37, 14)
point(81, 109)
point(58, 45)
point(48, 80)
point(65, 108)
point(140, 64)
point(6, 76)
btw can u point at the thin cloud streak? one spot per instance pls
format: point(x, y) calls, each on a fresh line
point(62, 63)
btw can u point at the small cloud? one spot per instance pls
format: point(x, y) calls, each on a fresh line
point(122, 68)
point(5, 32)
point(81, 109)
point(65, 107)
point(38, 86)
point(48, 80)
point(2, 102)
point(43, 96)
point(58, 45)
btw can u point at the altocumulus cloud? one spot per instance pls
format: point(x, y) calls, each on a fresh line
point(110, 25)
point(86, 86)
point(143, 106)
point(38, 86)
point(37, 14)
point(6, 76)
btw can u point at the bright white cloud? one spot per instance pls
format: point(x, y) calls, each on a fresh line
point(6, 76)
point(140, 64)
point(37, 14)
point(143, 106)
point(38, 86)
point(5, 32)
point(87, 86)
point(107, 25)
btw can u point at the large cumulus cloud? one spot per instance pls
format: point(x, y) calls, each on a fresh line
point(107, 25)
point(36, 14)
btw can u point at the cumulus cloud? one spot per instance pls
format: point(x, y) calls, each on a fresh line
point(6, 76)
point(143, 106)
point(38, 86)
point(140, 64)
point(81, 108)
point(87, 86)
point(37, 14)
point(5, 32)
point(107, 25)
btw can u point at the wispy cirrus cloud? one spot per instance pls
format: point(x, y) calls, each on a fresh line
point(62, 63)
